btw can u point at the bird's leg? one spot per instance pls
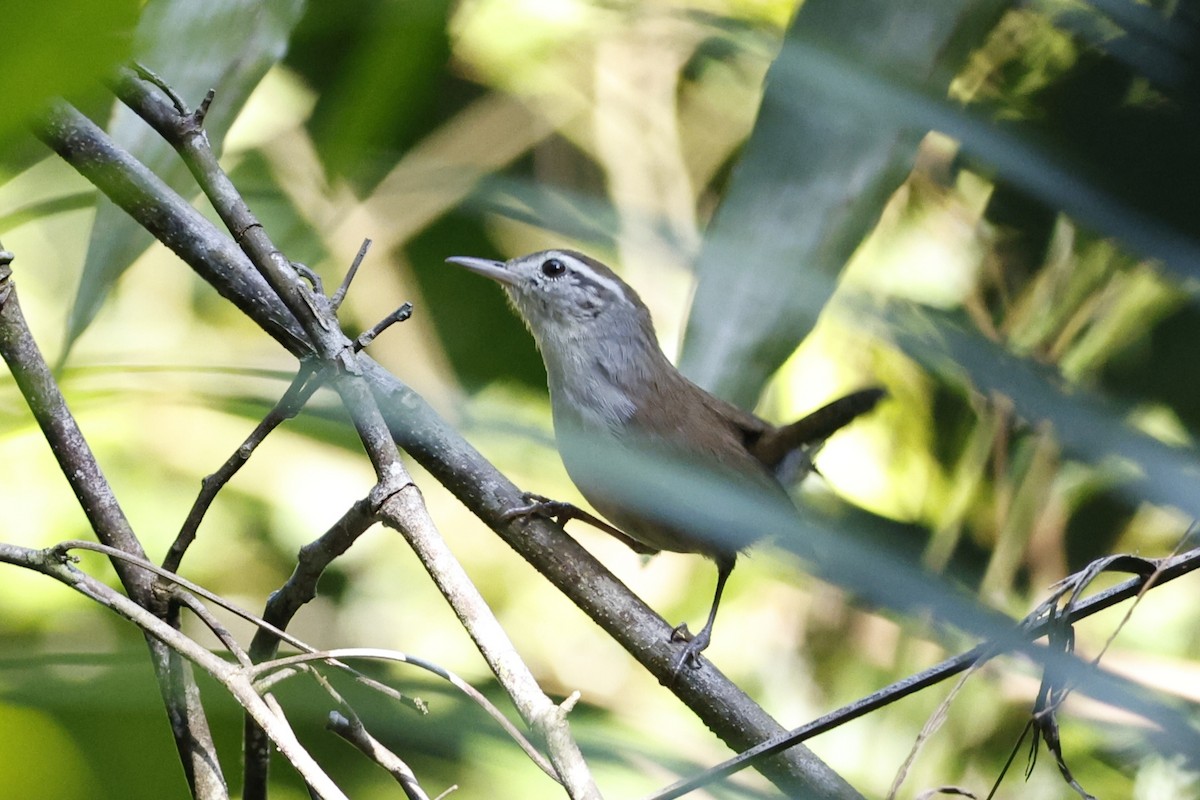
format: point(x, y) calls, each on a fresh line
point(561, 512)
point(690, 655)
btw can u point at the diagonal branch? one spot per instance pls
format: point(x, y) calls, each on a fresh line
point(421, 432)
point(352, 730)
point(189, 726)
point(1038, 624)
point(237, 681)
point(398, 501)
point(302, 387)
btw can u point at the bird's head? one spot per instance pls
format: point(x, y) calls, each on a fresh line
point(565, 296)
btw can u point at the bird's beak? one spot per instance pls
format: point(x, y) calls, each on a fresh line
point(490, 269)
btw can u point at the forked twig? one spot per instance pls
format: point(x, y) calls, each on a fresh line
point(55, 563)
point(342, 653)
point(310, 653)
point(307, 381)
point(398, 502)
point(1036, 625)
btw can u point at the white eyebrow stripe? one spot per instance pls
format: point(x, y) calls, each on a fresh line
point(590, 274)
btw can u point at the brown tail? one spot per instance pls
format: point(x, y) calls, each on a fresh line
point(818, 426)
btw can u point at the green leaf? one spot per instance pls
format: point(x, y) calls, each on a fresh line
point(1091, 427)
point(379, 71)
point(817, 171)
point(50, 50)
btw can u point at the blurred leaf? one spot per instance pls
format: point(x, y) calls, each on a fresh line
point(816, 172)
point(54, 205)
point(53, 49)
point(379, 70)
point(1159, 47)
point(1090, 427)
point(226, 45)
point(707, 503)
point(574, 214)
point(1155, 365)
point(1119, 138)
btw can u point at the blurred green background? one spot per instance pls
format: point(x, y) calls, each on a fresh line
point(988, 208)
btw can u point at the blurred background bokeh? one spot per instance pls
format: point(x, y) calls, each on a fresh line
point(988, 208)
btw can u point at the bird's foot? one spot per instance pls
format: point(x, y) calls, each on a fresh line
point(537, 505)
point(562, 512)
point(689, 656)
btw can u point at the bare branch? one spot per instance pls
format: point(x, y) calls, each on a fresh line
point(352, 730)
point(223, 634)
point(301, 389)
point(454, 680)
point(170, 218)
point(364, 339)
point(416, 427)
point(52, 563)
point(400, 504)
point(74, 455)
point(189, 726)
point(281, 606)
point(301, 586)
point(1036, 625)
point(338, 296)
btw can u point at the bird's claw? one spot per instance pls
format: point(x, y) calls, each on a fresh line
point(535, 504)
point(689, 656)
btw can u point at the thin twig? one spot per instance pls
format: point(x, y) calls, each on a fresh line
point(352, 730)
point(223, 634)
point(343, 653)
point(1035, 626)
point(79, 544)
point(310, 653)
point(1150, 582)
point(189, 724)
point(333, 657)
point(301, 389)
point(365, 338)
point(335, 301)
point(147, 74)
point(75, 458)
point(301, 585)
point(269, 681)
point(55, 564)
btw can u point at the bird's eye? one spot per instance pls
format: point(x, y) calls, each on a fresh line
point(552, 268)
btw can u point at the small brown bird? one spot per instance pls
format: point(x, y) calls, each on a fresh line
point(610, 381)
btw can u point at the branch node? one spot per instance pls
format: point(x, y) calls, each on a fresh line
point(366, 337)
point(239, 235)
point(200, 113)
point(385, 490)
point(61, 554)
point(566, 706)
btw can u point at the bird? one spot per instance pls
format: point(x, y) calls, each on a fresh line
point(611, 383)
